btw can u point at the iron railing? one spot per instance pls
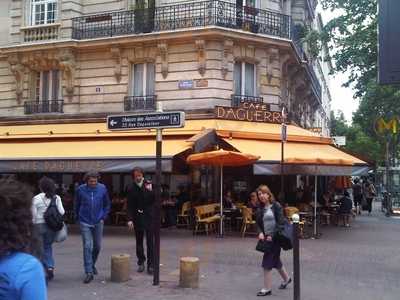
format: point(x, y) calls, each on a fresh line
point(132, 103)
point(315, 84)
point(237, 99)
point(179, 16)
point(42, 107)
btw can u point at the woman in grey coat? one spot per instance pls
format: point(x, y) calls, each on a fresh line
point(269, 220)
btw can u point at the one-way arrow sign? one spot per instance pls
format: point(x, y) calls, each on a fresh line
point(156, 120)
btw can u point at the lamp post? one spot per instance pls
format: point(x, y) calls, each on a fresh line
point(296, 257)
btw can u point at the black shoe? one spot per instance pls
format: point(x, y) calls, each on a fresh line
point(264, 293)
point(89, 277)
point(50, 274)
point(140, 269)
point(285, 284)
point(150, 270)
point(95, 271)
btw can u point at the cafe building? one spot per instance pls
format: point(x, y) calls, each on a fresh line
point(231, 66)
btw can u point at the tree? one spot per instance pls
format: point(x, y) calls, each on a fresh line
point(357, 141)
point(352, 37)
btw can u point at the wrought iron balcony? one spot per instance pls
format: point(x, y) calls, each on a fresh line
point(132, 103)
point(43, 107)
point(178, 16)
point(315, 84)
point(237, 99)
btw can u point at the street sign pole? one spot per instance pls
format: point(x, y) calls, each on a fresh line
point(283, 140)
point(157, 207)
point(153, 120)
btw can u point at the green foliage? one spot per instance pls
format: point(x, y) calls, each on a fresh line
point(353, 42)
point(357, 141)
point(312, 38)
point(352, 37)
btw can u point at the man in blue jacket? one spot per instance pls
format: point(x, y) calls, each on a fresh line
point(92, 205)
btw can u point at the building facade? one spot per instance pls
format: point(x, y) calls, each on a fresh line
point(65, 60)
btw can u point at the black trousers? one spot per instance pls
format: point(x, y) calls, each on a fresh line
point(369, 201)
point(140, 233)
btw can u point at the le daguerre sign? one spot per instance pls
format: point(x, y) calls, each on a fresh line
point(250, 112)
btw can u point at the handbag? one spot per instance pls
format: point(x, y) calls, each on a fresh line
point(61, 235)
point(264, 246)
point(284, 237)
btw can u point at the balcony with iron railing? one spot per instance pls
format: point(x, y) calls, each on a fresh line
point(140, 103)
point(43, 107)
point(179, 16)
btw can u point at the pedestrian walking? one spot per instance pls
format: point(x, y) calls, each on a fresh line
point(357, 196)
point(92, 205)
point(44, 233)
point(269, 220)
point(140, 218)
point(370, 193)
point(21, 274)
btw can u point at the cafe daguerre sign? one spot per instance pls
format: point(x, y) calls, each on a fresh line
point(250, 112)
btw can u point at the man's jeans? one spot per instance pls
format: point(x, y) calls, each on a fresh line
point(45, 238)
point(91, 239)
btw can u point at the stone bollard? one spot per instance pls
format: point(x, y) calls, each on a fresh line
point(189, 272)
point(120, 267)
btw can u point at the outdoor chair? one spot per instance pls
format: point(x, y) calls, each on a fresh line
point(182, 219)
point(206, 218)
point(247, 214)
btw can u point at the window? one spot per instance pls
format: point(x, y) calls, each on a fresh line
point(245, 79)
point(252, 3)
point(47, 86)
point(143, 77)
point(44, 12)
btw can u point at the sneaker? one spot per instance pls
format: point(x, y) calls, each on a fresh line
point(89, 277)
point(50, 274)
point(95, 271)
point(264, 292)
point(285, 284)
point(140, 268)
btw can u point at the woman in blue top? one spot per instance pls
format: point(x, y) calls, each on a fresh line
point(21, 274)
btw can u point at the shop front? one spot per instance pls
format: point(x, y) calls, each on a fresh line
point(66, 151)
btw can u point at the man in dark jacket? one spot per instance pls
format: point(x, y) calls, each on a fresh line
point(92, 205)
point(140, 216)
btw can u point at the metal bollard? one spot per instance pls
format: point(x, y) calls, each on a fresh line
point(296, 257)
point(189, 272)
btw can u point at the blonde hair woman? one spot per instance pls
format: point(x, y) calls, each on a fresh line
point(269, 220)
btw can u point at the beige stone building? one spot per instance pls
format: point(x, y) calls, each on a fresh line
point(82, 59)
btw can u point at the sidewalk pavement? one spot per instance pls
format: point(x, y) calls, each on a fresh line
point(361, 262)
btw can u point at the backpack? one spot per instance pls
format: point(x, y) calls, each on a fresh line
point(52, 217)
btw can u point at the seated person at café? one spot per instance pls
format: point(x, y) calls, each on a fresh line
point(228, 201)
point(325, 199)
point(181, 197)
point(346, 205)
point(169, 207)
point(253, 202)
point(230, 209)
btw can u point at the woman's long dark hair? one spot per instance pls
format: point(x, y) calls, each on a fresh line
point(15, 217)
point(48, 187)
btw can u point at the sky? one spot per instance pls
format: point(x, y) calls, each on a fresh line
point(342, 98)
